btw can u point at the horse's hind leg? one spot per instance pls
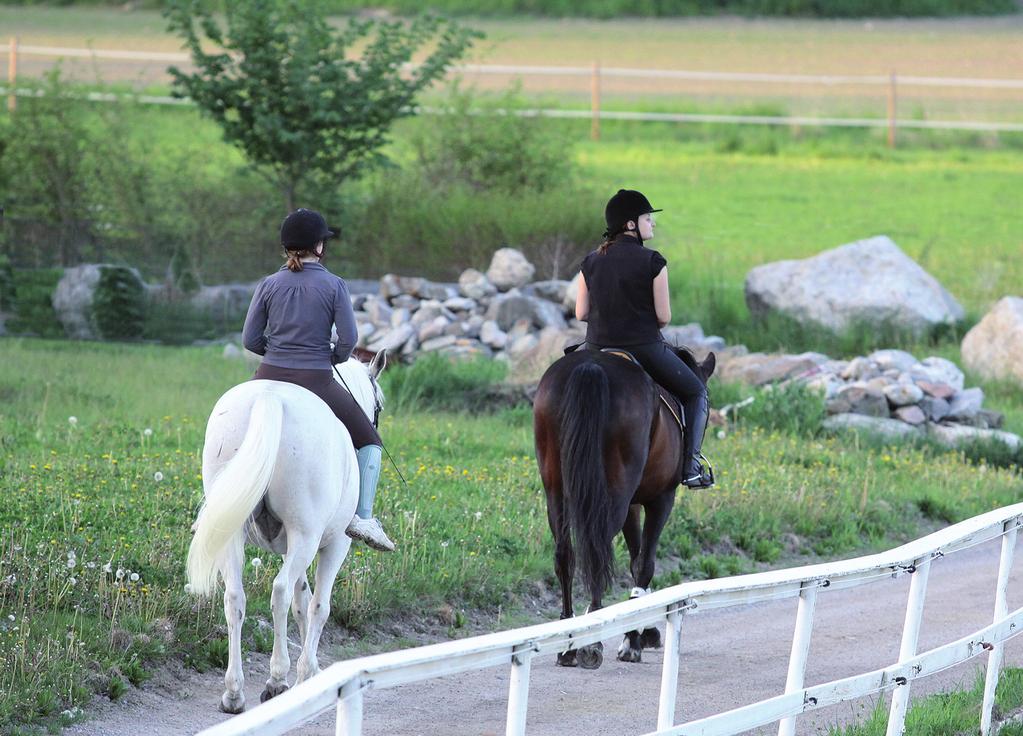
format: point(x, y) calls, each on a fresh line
point(300, 604)
point(327, 565)
point(233, 699)
point(297, 560)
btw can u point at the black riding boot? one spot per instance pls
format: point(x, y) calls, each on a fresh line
point(697, 411)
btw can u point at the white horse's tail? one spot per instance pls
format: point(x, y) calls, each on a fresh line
point(234, 494)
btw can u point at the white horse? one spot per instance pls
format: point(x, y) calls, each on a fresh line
point(279, 470)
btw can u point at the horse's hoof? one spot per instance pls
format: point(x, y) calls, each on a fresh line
point(627, 652)
point(272, 691)
point(568, 659)
point(591, 657)
point(233, 704)
point(650, 639)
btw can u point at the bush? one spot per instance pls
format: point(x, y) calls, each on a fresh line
point(436, 382)
point(33, 303)
point(788, 407)
point(119, 304)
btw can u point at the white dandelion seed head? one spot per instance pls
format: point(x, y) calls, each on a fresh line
point(10, 617)
point(256, 562)
point(478, 515)
point(119, 574)
point(445, 543)
point(107, 568)
point(72, 580)
point(188, 587)
point(157, 476)
point(721, 434)
point(134, 577)
point(71, 562)
point(72, 421)
point(90, 565)
point(148, 432)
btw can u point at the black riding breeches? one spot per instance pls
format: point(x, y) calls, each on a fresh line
point(667, 369)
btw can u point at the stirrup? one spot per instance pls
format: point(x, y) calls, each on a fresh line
point(703, 479)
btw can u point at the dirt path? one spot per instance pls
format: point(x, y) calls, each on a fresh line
point(730, 658)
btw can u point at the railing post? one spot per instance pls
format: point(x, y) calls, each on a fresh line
point(595, 101)
point(910, 636)
point(800, 649)
point(669, 672)
point(12, 75)
point(349, 709)
point(892, 105)
point(994, 660)
point(518, 693)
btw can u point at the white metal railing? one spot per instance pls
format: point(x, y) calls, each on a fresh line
point(342, 685)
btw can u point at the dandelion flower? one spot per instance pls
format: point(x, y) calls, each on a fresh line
point(157, 476)
point(134, 577)
point(256, 562)
point(445, 543)
point(72, 580)
point(721, 434)
point(478, 515)
point(10, 617)
point(119, 574)
point(107, 568)
point(148, 432)
point(72, 421)
point(71, 562)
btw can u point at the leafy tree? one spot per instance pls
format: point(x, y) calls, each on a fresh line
point(287, 89)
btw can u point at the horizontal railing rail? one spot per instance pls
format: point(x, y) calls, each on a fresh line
point(342, 685)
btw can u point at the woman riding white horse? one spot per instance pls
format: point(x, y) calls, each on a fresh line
point(278, 467)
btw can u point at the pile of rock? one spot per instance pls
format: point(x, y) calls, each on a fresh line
point(498, 314)
point(888, 392)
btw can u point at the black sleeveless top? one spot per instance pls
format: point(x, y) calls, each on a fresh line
point(620, 284)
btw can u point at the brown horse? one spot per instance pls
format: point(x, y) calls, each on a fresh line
point(606, 446)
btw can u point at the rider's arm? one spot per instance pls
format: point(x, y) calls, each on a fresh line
point(255, 323)
point(344, 323)
point(582, 302)
point(662, 302)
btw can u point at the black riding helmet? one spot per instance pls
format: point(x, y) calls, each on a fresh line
point(303, 229)
point(625, 205)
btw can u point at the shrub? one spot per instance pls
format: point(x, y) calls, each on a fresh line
point(33, 303)
point(119, 303)
point(436, 382)
point(788, 407)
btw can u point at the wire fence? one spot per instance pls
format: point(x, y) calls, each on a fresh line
point(892, 85)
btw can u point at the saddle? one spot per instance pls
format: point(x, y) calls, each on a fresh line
point(669, 399)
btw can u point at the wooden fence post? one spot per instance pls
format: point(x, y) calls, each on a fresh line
point(12, 74)
point(595, 101)
point(891, 110)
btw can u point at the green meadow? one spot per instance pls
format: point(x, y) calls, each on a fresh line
point(100, 476)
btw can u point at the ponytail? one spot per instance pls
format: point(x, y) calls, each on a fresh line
point(295, 257)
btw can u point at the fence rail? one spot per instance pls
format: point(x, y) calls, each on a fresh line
point(342, 685)
point(596, 72)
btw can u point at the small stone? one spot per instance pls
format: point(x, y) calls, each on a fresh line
point(390, 340)
point(987, 419)
point(432, 329)
point(405, 301)
point(939, 370)
point(936, 409)
point(861, 400)
point(475, 285)
point(460, 304)
point(903, 394)
point(892, 359)
point(438, 343)
point(859, 369)
point(553, 290)
point(509, 268)
point(888, 428)
point(965, 405)
point(492, 335)
point(400, 316)
point(954, 435)
point(937, 390)
point(910, 415)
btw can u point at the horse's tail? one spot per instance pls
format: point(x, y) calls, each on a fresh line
point(234, 493)
point(585, 408)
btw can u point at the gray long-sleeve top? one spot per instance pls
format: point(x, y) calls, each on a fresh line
point(296, 310)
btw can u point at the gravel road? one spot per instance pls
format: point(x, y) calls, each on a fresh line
point(730, 657)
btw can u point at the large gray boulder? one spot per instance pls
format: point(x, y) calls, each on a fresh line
point(509, 269)
point(868, 281)
point(224, 299)
point(994, 347)
point(877, 426)
point(508, 309)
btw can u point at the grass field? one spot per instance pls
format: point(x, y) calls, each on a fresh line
point(98, 507)
point(983, 47)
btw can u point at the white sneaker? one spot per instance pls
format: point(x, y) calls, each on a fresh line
point(370, 532)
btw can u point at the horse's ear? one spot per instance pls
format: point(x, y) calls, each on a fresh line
point(377, 365)
point(708, 365)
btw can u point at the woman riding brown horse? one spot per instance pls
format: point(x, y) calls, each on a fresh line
point(606, 443)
